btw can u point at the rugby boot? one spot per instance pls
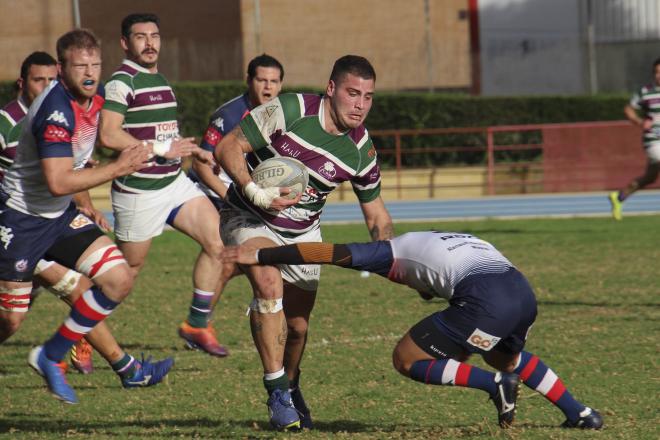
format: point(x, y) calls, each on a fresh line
point(301, 407)
point(81, 357)
point(52, 374)
point(63, 366)
point(589, 419)
point(283, 415)
point(616, 205)
point(148, 373)
point(202, 339)
point(508, 388)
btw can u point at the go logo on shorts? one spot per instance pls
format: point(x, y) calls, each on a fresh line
point(482, 340)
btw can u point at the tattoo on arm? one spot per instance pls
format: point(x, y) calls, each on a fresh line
point(385, 234)
point(238, 132)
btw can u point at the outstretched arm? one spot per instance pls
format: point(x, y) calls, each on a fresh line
point(373, 257)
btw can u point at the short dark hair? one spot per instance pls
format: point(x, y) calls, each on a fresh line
point(141, 17)
point(656, 63)
point(36, 59)
point(263, 60)
point(76, 39)
point(353, 64)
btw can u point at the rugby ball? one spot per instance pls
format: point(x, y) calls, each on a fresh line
point(282, 172)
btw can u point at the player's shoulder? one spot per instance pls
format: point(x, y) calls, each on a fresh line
point(234, 108)
point(13, 112)
point(54, 107)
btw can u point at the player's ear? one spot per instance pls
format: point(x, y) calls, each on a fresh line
point(330, 90)
point(60, 68)
point(20, 83)
point(123, 41)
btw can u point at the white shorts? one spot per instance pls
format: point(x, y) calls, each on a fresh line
point(139, 217)
point(238, 226)
point(653, 152)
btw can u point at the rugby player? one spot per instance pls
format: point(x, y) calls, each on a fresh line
point(38, 218)
point(491, 310)
point(140, 107)
point(327, 134)
point(643, 110)
point(264, 81)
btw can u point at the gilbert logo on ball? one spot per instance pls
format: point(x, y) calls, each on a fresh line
point(282, 172)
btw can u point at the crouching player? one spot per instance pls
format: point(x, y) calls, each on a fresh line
point(38, 218)
point(491, 309)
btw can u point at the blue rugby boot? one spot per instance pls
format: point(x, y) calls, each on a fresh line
point(53, 374)
point(282, 413)
point(301, 407)
point(148, 373)
point(508, 388)
point(589, 419)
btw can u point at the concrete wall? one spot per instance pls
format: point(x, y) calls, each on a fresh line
point(200, 38)
point(307, 36)
point(27, 26)
point(531, 47)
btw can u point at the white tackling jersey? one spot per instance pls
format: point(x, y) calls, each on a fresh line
point(435, 262)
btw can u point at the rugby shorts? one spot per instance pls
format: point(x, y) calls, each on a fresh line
point(141, 216)
point(237, 226)
point(487, 312)
point(652, 151)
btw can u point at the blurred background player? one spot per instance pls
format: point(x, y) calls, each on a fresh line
point(264, 81)
point(491, 310)
point(327, 134)
point(38, 218)
point(643, 110)
point(140, 107)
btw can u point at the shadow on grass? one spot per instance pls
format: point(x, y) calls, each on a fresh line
point(40, 426)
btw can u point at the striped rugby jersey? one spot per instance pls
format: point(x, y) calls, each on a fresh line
point(55, 126)
point(291, 125)
point(647, 100)
point(435, 262)
point(149, 107)
point(11, 116)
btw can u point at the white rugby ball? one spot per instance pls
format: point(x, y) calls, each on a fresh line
point(282, 172)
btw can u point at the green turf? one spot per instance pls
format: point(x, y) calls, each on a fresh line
point(598, 289)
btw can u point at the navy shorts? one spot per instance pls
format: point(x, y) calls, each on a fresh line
point(486, 312)
point(25, 239)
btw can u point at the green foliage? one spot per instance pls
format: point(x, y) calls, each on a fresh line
point(198, 100)
point(596, 328)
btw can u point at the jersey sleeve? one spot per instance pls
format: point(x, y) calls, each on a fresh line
point(5, 129)
point(366, 184)
point(53, 128)
point(266, 120)
point(118, 94)
point(375, 257)
point(220, 124)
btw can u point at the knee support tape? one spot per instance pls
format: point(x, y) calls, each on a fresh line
point(260, 305)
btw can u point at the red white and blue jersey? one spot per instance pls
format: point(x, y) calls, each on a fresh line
point(55, 126)
point(430, 262)
point(222, 121)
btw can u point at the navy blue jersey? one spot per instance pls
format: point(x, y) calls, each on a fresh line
point(55, 126)
point(222, 121)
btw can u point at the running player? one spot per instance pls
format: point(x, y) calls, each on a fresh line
point(327, 134)
point(491, 310)
point(264, 81)
point(140, 107)
point(38, 218)
point(37, 71)
point(644, 102)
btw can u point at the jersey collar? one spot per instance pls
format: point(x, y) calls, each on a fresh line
point(136, 66)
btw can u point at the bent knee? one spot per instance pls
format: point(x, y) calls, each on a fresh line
point(297, 327)
point(400, 364)
point(11, 322)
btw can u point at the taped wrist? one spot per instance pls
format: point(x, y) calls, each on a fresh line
point(162, 148)
point(261, 197)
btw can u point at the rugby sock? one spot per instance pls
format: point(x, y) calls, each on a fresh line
point(537, 376)
point(276, 381)
point(91, 308)
point(125, 367)
point(200, 308)
point(451, 372)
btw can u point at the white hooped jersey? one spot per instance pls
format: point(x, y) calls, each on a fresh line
point(435, 262)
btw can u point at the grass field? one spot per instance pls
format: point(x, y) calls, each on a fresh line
point(598, 288)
